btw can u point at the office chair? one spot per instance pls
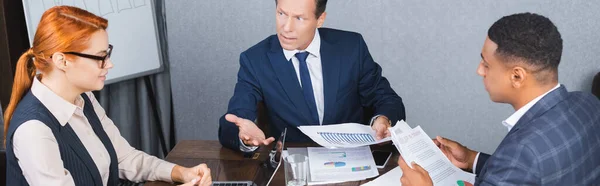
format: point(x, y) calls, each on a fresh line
point(2, 154)
point(596, 85)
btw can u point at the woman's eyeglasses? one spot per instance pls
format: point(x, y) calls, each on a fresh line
point(94, 57)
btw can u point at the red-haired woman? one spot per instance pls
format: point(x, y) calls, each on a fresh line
point(56, 132)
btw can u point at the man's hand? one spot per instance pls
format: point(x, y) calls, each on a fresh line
point(413, 176)
point(249, 132)
point(381, 125)
point(461, 156)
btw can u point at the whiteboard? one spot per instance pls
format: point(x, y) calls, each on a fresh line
point(131, 30)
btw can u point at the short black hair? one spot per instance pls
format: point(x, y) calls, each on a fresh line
point(321, 5)
point(532, 39)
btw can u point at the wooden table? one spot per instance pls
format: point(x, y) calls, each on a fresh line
point(229, 165)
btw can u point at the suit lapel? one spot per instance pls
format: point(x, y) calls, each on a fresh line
point(331, 74)
point(545, 104)
point(287, 78)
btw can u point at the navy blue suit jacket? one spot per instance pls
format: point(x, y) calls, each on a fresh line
point(351, 81)
point(556, 142)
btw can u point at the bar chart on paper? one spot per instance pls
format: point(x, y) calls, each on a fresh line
point(346, 138)
point(343, 135)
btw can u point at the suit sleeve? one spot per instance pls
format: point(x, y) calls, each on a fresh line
point(482, 158)
point(246, 95)
point(514, 164)
point(375, 90)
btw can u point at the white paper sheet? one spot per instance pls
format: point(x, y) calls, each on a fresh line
point(400, 127)
point(343, 164)
point(390, 178)
point(415, 145)
point(342, 135)
point(304, 151)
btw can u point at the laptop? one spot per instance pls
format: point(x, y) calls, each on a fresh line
point(267, 168)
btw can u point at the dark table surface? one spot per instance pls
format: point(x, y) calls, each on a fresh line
point(229, 165)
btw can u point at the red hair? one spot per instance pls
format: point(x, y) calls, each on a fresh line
point(61, 29)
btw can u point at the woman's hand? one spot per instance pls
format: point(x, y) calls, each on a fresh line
point(198, 175)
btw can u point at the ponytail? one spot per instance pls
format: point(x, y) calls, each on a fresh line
point(24, 75)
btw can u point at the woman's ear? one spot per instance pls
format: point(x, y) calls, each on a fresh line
point(59, 60)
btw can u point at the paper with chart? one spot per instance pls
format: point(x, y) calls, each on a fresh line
point(304, 151)
point(343, 164)
point(415, 145)
point(342, 135)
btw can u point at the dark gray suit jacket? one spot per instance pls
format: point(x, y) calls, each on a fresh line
point(556, 142)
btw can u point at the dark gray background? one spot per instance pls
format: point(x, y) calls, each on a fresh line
point(429, 50)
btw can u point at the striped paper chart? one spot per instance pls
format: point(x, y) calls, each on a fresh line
point(346, 138)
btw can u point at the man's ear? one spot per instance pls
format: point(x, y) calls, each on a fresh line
point(321, 19)
point(59, 60)
point(518, 76)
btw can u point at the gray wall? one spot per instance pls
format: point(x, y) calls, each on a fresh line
point(429, 50)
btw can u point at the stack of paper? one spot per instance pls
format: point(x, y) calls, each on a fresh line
point(412, 143)
point(415, 145)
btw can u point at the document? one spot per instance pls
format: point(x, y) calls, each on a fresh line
point(412, 143)
point(415, 145)
point(342, 135)
point(343, 164)
point(390, 178)
point(304, 151)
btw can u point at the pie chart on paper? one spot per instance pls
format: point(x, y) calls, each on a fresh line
point(334, 164)
point(463, 183)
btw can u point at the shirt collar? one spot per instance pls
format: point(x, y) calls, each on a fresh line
point(511, 121)
point(314, 48)
point(61, 109)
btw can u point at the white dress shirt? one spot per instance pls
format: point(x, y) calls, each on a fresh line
point(313, 61)
point(38, 154)
point(512, 120)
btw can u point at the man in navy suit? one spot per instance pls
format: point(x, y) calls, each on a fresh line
point(306, 75)
point(554, 135)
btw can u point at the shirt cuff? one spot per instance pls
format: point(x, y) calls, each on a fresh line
point(163, 171)
point(245, 148)
point(475, 162)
